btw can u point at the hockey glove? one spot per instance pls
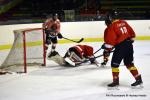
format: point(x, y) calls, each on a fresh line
point(106, 55)
point(103, 46)
point(92, 59)
point(59, 36)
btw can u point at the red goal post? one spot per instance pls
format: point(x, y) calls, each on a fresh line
point(28, 49)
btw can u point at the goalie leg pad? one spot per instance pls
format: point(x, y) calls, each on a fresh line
point(70, 62)
point(58, 59)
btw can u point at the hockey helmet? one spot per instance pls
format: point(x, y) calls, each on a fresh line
point(113, 14)
point(55, 16)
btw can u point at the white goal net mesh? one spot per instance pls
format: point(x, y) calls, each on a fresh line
point(27, 50)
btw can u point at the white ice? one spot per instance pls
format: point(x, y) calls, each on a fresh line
point(86, 82)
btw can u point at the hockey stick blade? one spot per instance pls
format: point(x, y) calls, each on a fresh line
point(80, 40)
point(73, 40)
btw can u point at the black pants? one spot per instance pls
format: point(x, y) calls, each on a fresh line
point(123, 51)
point(50, 38)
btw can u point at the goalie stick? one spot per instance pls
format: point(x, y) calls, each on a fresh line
point(89, 60)
point(74, 40)
point(97, 50)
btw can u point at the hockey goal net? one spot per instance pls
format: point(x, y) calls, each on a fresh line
point(27, 50)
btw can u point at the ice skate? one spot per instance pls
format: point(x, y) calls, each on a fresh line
point(103, 64)
point(54, 53)
point(113, 86)
point(138, 84)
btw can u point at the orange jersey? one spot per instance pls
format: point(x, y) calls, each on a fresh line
point(48, 24)
point(117, 32)
point(84, 50)
point(57, 25)
point(51, 24)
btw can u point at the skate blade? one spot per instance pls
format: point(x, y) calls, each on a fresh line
point(113, 88)
point(138, 86)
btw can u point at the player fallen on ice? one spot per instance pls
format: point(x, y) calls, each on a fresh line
point(120, 36)
point(51, 28)
point(75, 56)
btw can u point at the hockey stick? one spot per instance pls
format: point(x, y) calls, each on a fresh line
point(74, 40)
point(89, 59)
point(68, 38)
point(97, 50)
point(102, 48)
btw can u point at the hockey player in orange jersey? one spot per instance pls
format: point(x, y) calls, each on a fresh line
point(120, 36)
point(51, 28)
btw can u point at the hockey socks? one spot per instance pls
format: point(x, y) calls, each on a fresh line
point(115, 73)
point(133, 70)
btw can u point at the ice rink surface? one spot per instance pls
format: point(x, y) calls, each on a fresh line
point(86, 82)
